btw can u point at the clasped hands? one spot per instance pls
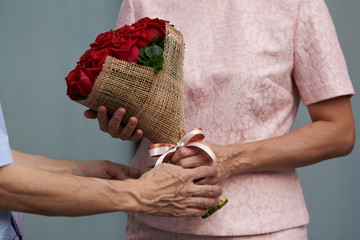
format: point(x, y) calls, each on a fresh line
point(184, 188)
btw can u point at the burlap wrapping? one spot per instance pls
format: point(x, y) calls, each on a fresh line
point(156, 99)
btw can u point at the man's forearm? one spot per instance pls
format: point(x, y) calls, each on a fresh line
point(44, 163)
point(40, 192)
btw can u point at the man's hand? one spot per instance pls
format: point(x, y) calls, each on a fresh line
point(113, 125)
point(107, 170)
point(169, 190)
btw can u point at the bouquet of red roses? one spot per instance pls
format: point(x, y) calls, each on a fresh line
point(140, 68)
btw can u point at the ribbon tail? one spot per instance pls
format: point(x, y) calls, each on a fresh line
point(158, 151)
point(160, 159)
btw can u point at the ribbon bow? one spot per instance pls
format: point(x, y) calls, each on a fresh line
point(164, 151)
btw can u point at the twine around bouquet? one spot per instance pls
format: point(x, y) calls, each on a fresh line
point(156, 99)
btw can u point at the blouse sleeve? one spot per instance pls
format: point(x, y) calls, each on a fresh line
point(5, 151)
point(320, 70)
point(126, 14)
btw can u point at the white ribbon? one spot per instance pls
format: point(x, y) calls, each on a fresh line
point(192, 139)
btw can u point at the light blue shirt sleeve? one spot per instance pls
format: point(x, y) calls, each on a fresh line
point(5, 151)
point(7, 230)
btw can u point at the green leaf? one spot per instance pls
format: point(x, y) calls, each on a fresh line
point(153, 50)
point(158, 50)
point(154, 40)
point(158, 61)
point(142, 56)
point(149, 51)
point(151, 56)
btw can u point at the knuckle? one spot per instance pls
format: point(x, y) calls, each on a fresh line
point(182, 153)
point(116, 118)
point(208, 203)
point(213, 202)
point(217, 190)
point(184, 192)
point(211, 171)
point(124, 135)
point(112, 129)
point(181, 163)
point(132, 123)
point(119, 112)
point(186, 175)
point(212, 192)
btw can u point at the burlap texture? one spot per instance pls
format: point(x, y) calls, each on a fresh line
point(156, 99)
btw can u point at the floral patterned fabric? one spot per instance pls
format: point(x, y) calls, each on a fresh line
point(247, 66)
point(138, 231)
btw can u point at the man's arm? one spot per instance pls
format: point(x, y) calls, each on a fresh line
point(91, 168)
point(44, 163)
point(165, 190)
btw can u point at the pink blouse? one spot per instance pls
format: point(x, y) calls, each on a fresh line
point(247, 64)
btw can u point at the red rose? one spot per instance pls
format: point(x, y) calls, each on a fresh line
point(84, 59)
point(79, 83)
point(125, 48)
point(93, 59)
point(137, 32)
point(98, 58)
point(103, 40)
point(154, 27)
point(121, 36)
point(145, 29)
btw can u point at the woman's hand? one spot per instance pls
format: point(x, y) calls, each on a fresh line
point(330, 134)
point(107, 170)
point(113, 126)
point(192, 157)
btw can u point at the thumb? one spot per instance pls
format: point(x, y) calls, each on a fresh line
point(91, 114)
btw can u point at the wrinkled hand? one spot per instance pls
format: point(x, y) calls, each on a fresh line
point(192, 157)
point(169, 190)
point(107, 170)
point(113, 125)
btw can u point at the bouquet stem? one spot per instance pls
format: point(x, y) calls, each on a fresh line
point(223, 202)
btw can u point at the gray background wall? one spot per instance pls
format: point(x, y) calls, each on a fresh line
point(40, 40)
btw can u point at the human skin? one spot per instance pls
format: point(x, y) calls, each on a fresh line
point(41, 185)
point(330, 134)
point(113, 125)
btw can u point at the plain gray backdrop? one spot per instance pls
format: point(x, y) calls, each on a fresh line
point(40, 40)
